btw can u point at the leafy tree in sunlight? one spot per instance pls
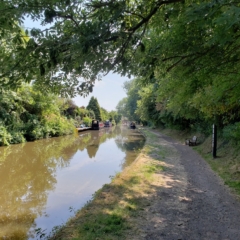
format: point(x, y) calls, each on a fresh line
point(115, 116)
point(94, 106)
point(189, 49)
point(127, 107)
point(104, 114)
point(28, 115)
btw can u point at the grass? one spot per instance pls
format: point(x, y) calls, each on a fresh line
point(111, 213)
point(114, 209)
point(227, 163)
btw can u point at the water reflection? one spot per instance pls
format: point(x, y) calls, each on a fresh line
point(40, 179)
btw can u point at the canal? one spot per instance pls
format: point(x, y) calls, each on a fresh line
point(43, 183)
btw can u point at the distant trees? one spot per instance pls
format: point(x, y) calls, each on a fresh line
point(127, 107)
point(183, 54)
point(94, 106)
point(27, 114)
point(104, 114)
point(115, 116)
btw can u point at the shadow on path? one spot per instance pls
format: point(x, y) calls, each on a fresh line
point(201, 208)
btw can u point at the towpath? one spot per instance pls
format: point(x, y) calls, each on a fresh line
point(192, 203)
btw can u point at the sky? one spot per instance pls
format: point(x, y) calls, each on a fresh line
point(109, 91)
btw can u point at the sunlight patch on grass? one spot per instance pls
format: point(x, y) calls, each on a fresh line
point(108, 215)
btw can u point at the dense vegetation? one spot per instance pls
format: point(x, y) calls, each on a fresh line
point(28, 114)
point(184, 55)
point(142, 105)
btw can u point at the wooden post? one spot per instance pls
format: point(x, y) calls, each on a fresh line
point(214, 141)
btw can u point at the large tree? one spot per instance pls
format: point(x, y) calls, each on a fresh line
point(127, 106)
point(190, 49)
point(79, 39)
point(94, 106)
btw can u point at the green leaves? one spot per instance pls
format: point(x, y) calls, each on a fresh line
point(94, 106)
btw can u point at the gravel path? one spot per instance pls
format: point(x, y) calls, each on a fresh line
point(194, 204)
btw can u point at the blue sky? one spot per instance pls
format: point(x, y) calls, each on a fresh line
point(108, 92)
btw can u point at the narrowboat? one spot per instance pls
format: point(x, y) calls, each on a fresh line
point(107, 123)
point(96, 125)
point(132, 125)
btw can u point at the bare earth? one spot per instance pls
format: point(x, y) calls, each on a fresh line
point(189, 201)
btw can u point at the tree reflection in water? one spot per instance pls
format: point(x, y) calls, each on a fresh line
point(129, 141)
point(28, 174)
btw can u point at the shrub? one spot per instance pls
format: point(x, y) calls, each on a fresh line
point(87, 121)
point(5, 136)
point(17, 137)
point(232, 132)
point(56, 126)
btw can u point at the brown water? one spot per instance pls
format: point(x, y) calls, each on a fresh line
point(42, 183)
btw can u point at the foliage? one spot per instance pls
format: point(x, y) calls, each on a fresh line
point(185, 52)
point(113, 122)
point(232, 132)
point(5, 137)
point(94, 106)
point(104, 114)
point(29, 115)
point(146, 105)
point(77, 39)
point(71, 109)
point(114, 117)
point(121, 106)
point(87, 121)
point(127, 106)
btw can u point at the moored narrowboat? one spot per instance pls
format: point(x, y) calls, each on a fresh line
point(96, 125)
point(132, 125)
point(107, 123)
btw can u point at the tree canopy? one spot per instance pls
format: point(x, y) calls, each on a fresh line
point(89, 38)
point(188, 49)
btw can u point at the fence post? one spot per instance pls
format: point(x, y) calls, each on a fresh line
point(214, 141)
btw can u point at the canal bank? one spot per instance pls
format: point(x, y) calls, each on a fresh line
point(168, 192)
point(121, 209)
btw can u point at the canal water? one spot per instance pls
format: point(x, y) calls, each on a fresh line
point(43, 183)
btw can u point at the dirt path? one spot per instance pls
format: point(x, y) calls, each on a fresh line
point(193, 204)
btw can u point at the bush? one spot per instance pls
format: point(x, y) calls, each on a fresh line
point(58, 126)
point(87, 121)
point(5, 136)
point(17, 137)
point(232, 132)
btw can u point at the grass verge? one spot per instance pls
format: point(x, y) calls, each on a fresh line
point(114, 208)
point(227, 162)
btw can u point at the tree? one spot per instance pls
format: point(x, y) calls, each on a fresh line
point(71, 108)
point(94, 106)
point(84, 39)
point(121, 107)
point(115, 116)
point(104, 114)
point(28, 115)
point(189, 49)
